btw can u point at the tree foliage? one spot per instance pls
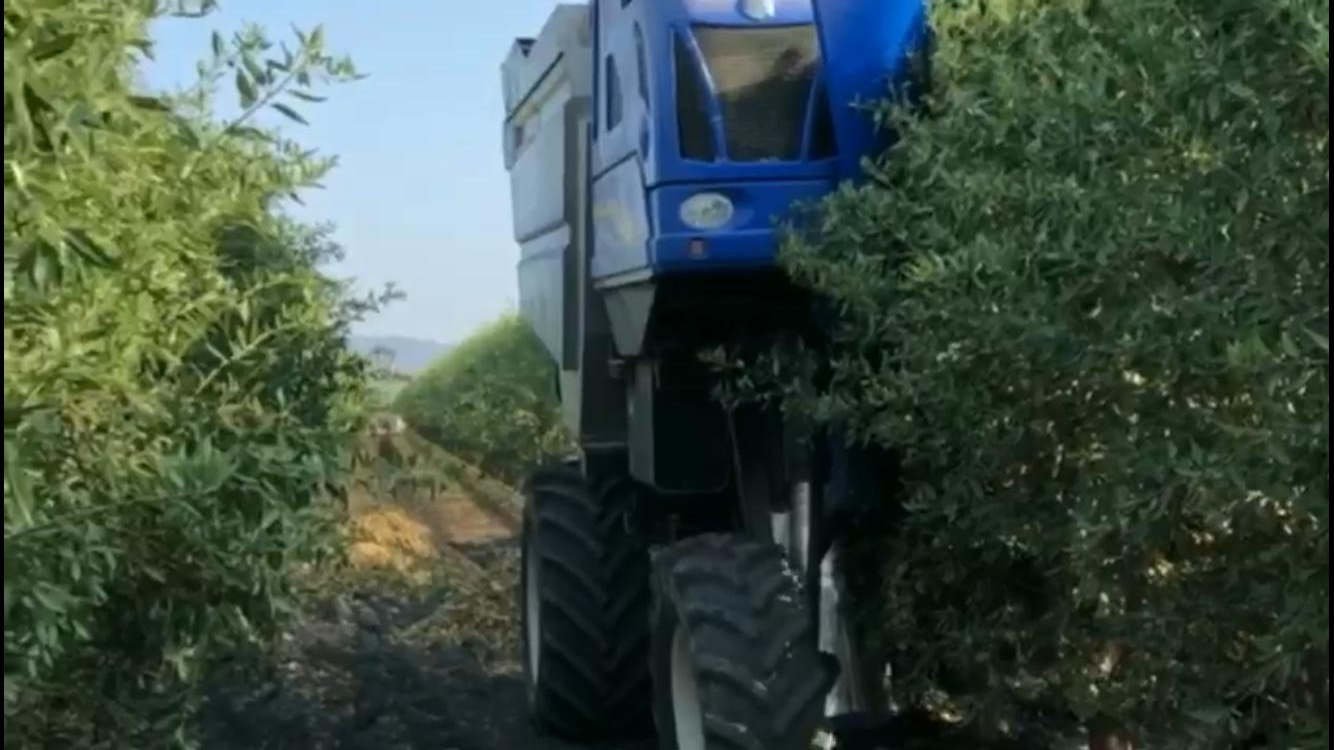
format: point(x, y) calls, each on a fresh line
point(1087, 297)
point(176, 383)
point(490, 401)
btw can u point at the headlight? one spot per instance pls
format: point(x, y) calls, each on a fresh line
point(706, 210)
point(758, 10)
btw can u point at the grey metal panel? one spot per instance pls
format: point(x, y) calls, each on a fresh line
point(575, 123)
point(509, 85)
point(630, 309)
point(548, 196)
point(548, 84)
point(601, 402)
point(537, 185)
point(566, 33)
point(621, 218)
point(541, 295)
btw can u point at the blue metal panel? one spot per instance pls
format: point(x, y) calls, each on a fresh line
point(866, 47)
point(665, 21)
point(617, 143)
point(748, 240)
point(660, 21)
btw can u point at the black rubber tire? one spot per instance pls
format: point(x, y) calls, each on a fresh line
point(593, 681)
point(761, 680)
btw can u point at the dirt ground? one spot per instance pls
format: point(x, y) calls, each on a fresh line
point(418, 649)
point(412, 647)
point(353, 677)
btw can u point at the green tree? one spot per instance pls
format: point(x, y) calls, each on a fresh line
point(1087, 297)
point(490, 401)
point(177, 388)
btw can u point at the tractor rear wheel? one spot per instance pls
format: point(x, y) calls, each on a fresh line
point(735, 663)
point(584, 604)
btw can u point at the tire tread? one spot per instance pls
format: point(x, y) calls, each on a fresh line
point(762, 681)
point(594, 680)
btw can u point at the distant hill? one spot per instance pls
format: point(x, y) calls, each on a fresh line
point(411, 355)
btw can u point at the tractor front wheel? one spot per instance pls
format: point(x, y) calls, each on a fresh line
point(735, 663)
point(584, 606)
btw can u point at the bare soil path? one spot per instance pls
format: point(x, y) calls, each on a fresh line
point(348, 683)
point(385, 667)
point(372, 666)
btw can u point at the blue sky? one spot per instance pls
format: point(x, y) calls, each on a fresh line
point(420, 197)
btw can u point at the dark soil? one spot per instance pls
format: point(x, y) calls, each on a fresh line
point(377, 696)
point(344, 682)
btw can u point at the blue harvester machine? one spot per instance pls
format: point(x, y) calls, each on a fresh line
point(680, 571)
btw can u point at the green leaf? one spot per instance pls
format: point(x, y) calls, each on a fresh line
point(1210, 716)
point(246, 89)
point(37, 99)
point(186, 130)
point(306, 96)
point(257, 73)
point(252, 133)
point(53, 47)
point(1320, 340)
point(88, 250)
point(151, 103)
point(146, 47)
point(39, 264)
point(51, 597)
point(219, 48)
point(16, 478)
point(271, 516)
point(289, 112)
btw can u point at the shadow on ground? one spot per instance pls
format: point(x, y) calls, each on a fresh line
point(348, 681)
point(374, 665)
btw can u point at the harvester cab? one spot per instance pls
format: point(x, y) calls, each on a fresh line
point(683, 555)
